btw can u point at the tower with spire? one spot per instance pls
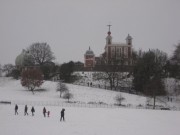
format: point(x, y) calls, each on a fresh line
point(115, 51)
point(109, 37)
point(129, 40)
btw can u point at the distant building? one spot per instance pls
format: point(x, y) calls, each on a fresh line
point(114, 52)
point(89, 59)
point(23, 61)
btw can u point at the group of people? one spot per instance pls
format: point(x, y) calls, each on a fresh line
point(44, 112)
point(25, 110)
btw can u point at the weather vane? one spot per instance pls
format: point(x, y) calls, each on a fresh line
point(109, 26)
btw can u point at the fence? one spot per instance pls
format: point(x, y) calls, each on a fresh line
point(64, 104)
point(84, 105)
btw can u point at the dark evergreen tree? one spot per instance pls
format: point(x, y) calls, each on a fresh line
point(66, 71)
point(48, 69)
point(154, 87)
point(174, 63)
point(15, 73)
point(149, 65)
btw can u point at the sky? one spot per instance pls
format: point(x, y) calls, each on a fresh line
point(71, 26)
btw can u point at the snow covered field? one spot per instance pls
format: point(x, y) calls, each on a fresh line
point(81, 121)
point(89, 121)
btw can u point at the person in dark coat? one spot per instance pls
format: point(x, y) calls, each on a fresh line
point(48, 113)
point(44, 111)
point(16, 109)
point(62, 114)
point(32, 110)
point(25, 110)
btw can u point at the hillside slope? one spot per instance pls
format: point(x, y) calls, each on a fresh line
point(11, 90)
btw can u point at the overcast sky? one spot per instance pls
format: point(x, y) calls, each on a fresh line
point(71, 26)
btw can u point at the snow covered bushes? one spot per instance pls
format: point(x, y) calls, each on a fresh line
point(68, 96)
point(119, 98)
point(61, 87)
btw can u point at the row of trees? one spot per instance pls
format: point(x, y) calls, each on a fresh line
point(40, 55)
point(36, 64)
point(148, 71)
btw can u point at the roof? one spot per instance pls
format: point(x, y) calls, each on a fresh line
point(89, 52)
point(20, 59)
point(118, 44)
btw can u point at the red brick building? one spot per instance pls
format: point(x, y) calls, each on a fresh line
point(118, 51)
point(113, 52)
point(89, 59)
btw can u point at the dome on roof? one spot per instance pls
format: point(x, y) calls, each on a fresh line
point(20, 59)
point(89, 52)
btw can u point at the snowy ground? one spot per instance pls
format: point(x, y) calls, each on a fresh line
point(11, 90)
point(89, 121)
point(79, 120)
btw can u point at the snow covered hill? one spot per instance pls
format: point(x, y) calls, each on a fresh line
point(11, 90)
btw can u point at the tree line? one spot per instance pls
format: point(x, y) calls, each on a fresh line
point(148, 70)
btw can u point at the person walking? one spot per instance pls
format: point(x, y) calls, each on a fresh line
point(44, 111)
point(16, 109)
point(48, 113)
point(25, 110)
point(32, 110)
point(62, 114)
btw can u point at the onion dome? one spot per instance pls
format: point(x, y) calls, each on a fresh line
point(89, 52)
point(109, 33)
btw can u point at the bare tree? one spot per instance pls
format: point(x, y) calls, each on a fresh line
point(40, 53)
point(31, 78)
point(61, 87)
point(68, 96)
point(113, 73)
point(8, 68)
point(119, 98)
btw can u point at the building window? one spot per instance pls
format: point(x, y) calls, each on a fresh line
point(118, 52)
point(126, 52)
point(113, 52)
